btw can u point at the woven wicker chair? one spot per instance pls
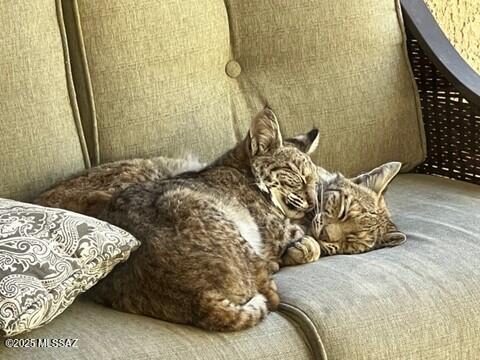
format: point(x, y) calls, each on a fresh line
point(449, 91)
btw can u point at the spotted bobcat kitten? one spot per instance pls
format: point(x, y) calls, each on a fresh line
point(209, 237)
point(353, 217)
point(89, 192)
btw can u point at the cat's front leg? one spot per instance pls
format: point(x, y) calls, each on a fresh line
point(299, 248)
point(285, 243)
point(304, 251)
point(278, 234)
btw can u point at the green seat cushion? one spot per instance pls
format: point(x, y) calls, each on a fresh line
point(419, 300)
point(172, 77)
point(41, 138)
point(104, 333)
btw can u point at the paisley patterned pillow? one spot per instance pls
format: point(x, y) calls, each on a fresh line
point(49, 256)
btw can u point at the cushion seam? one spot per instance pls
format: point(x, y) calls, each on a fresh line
point(79, 43)
point(299, 317)
point(70, 87)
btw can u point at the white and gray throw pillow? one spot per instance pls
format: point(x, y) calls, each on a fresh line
point(49, 256)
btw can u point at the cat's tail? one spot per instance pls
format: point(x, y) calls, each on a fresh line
point(221, 314)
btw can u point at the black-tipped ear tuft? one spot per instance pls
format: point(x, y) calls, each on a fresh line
point(313, 135)
point(308, 142)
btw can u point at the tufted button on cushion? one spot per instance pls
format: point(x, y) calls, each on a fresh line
point(161, 72)
point(233, 69)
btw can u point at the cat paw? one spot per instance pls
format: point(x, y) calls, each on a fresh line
point(302, 252)
point(273, 267)
point(294, 233)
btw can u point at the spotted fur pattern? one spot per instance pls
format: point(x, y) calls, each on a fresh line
point(210, 238)
point(89, 192)
point(355, 217)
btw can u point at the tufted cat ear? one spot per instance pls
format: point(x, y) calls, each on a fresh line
point(392, 238)
point(308, 142)
point(264, 134)
point(379, 178)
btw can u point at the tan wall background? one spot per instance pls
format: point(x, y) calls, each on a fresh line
point(460, 20)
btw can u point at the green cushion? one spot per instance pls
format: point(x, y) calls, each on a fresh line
point(157, 75)
point(164, 82)
point(104, 333)
point(419, 300)
point(40, 132)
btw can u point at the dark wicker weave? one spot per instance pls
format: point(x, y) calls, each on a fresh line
point(452, 123)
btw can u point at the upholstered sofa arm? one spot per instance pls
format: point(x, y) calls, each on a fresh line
point(449, 91)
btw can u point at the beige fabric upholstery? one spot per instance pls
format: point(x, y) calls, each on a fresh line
point(186, 76)
point(104, 333)
point(38, 115)
point(416, 301)
point(172, 77)
point(158, 79)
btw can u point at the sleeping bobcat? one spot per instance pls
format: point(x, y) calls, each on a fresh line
point(353, 217)
point(365, 225)
point(210, 238)
point(88, 193)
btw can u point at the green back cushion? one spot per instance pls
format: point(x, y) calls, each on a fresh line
point(163, 80)
point(38, 132)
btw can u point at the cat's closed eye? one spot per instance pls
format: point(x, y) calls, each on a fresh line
point(290, 179)
point(354, 214)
